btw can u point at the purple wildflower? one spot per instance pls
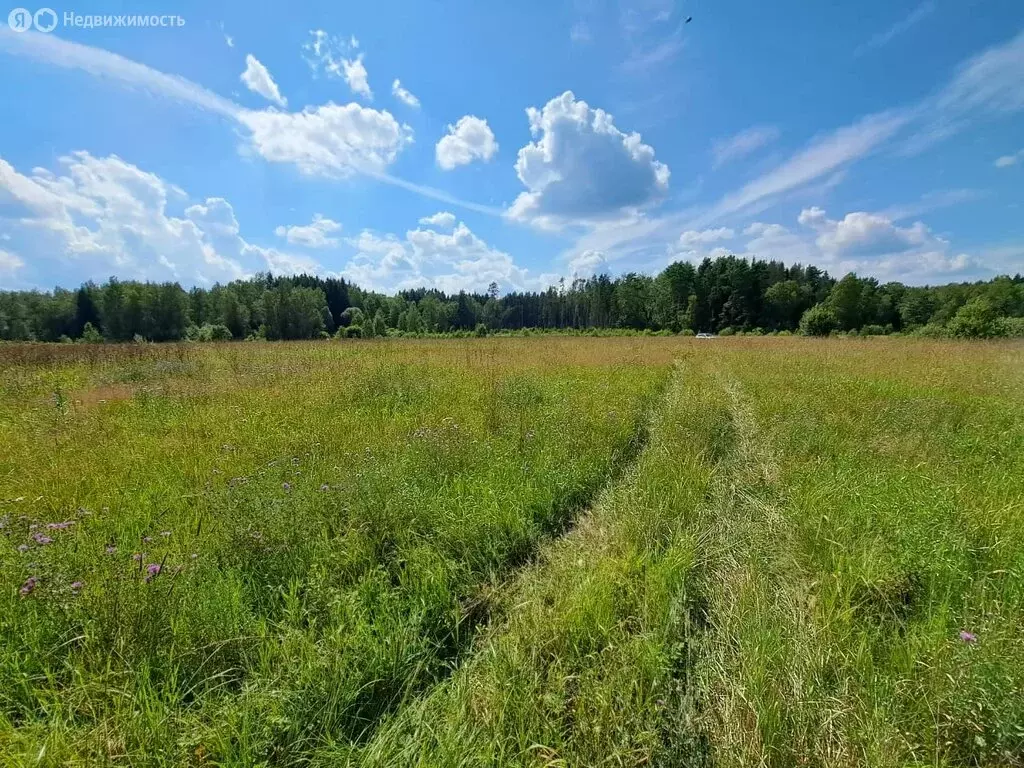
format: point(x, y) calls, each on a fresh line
point(60, 526)
point(968, 637)
point(41, 539)
point(111, 549)
point(23, 547)
point(287, 486)
point(137, 557)
point(76, 585)
point(152, 570)
point(28, 586)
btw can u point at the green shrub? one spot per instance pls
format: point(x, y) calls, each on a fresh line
point(687, 332)
point(727, 331)
point(977, 319)
point(819, 320)
point(1014, 326)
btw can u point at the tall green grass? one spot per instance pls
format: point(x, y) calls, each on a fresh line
point(269, 548)
point(546, 552)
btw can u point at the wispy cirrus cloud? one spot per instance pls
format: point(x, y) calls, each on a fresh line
point(341, 140)
point(742, 144)
point(886, 36)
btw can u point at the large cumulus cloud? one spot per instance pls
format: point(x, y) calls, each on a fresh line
point(581, 167)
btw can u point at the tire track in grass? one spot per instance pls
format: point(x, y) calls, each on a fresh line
point(477, 609)
point(589, 658)
point(761, 653)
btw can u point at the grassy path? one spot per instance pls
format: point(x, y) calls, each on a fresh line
point(809, 564)
point(590, 658)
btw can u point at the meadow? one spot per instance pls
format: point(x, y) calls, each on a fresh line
point(557, 551)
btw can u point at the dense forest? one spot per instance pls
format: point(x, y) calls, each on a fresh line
point(725, 295)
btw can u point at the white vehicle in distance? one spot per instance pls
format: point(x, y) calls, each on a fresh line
point(706, 336)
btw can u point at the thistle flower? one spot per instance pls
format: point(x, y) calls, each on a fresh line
point(287, 487)
point(41, 539)
point(968, 637)
point(152, 570)
point(23, 547)
point(28, 586)
point(60, 526)
point(137, 557)
point(111, 549)
point(76, 585)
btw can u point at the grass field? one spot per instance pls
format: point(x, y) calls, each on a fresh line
point(533, 552)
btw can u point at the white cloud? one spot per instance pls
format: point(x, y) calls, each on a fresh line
point(333, 56)
point(1007, 160)
point(10, 262)
point(449, 261)
point(258, 80)
point(356, 76)
point(313, 235)
point(693, 237)
point(824, 155)
point(743, 143)
point(468, 140)
point(588, 264)
point(580, 33)
point(866, 243)
point(404, 95)
point(98, 216)
point(640, 61)
point(58, 52)
point(863, 234)
point(985, 87)
point(582, 168)
point(921, 12)
point(329, 140)
point(442, 219)
point(367, 135)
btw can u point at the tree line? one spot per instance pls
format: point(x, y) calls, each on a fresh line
point(723, 295)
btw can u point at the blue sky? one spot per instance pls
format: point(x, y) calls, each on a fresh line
point(452, 144)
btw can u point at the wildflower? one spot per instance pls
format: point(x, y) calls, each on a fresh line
point(968, 637)
point(41, 539)
point(33, 527)
point(287, 487)
point(111, 549)
point(60, 526)
point(152, 570)
point(325, 487)
point(76, 585)
point(193, 556)
point(28, 586)
point(23, 547)
point(137, 557)
point(165, 534)
point(147, 539)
